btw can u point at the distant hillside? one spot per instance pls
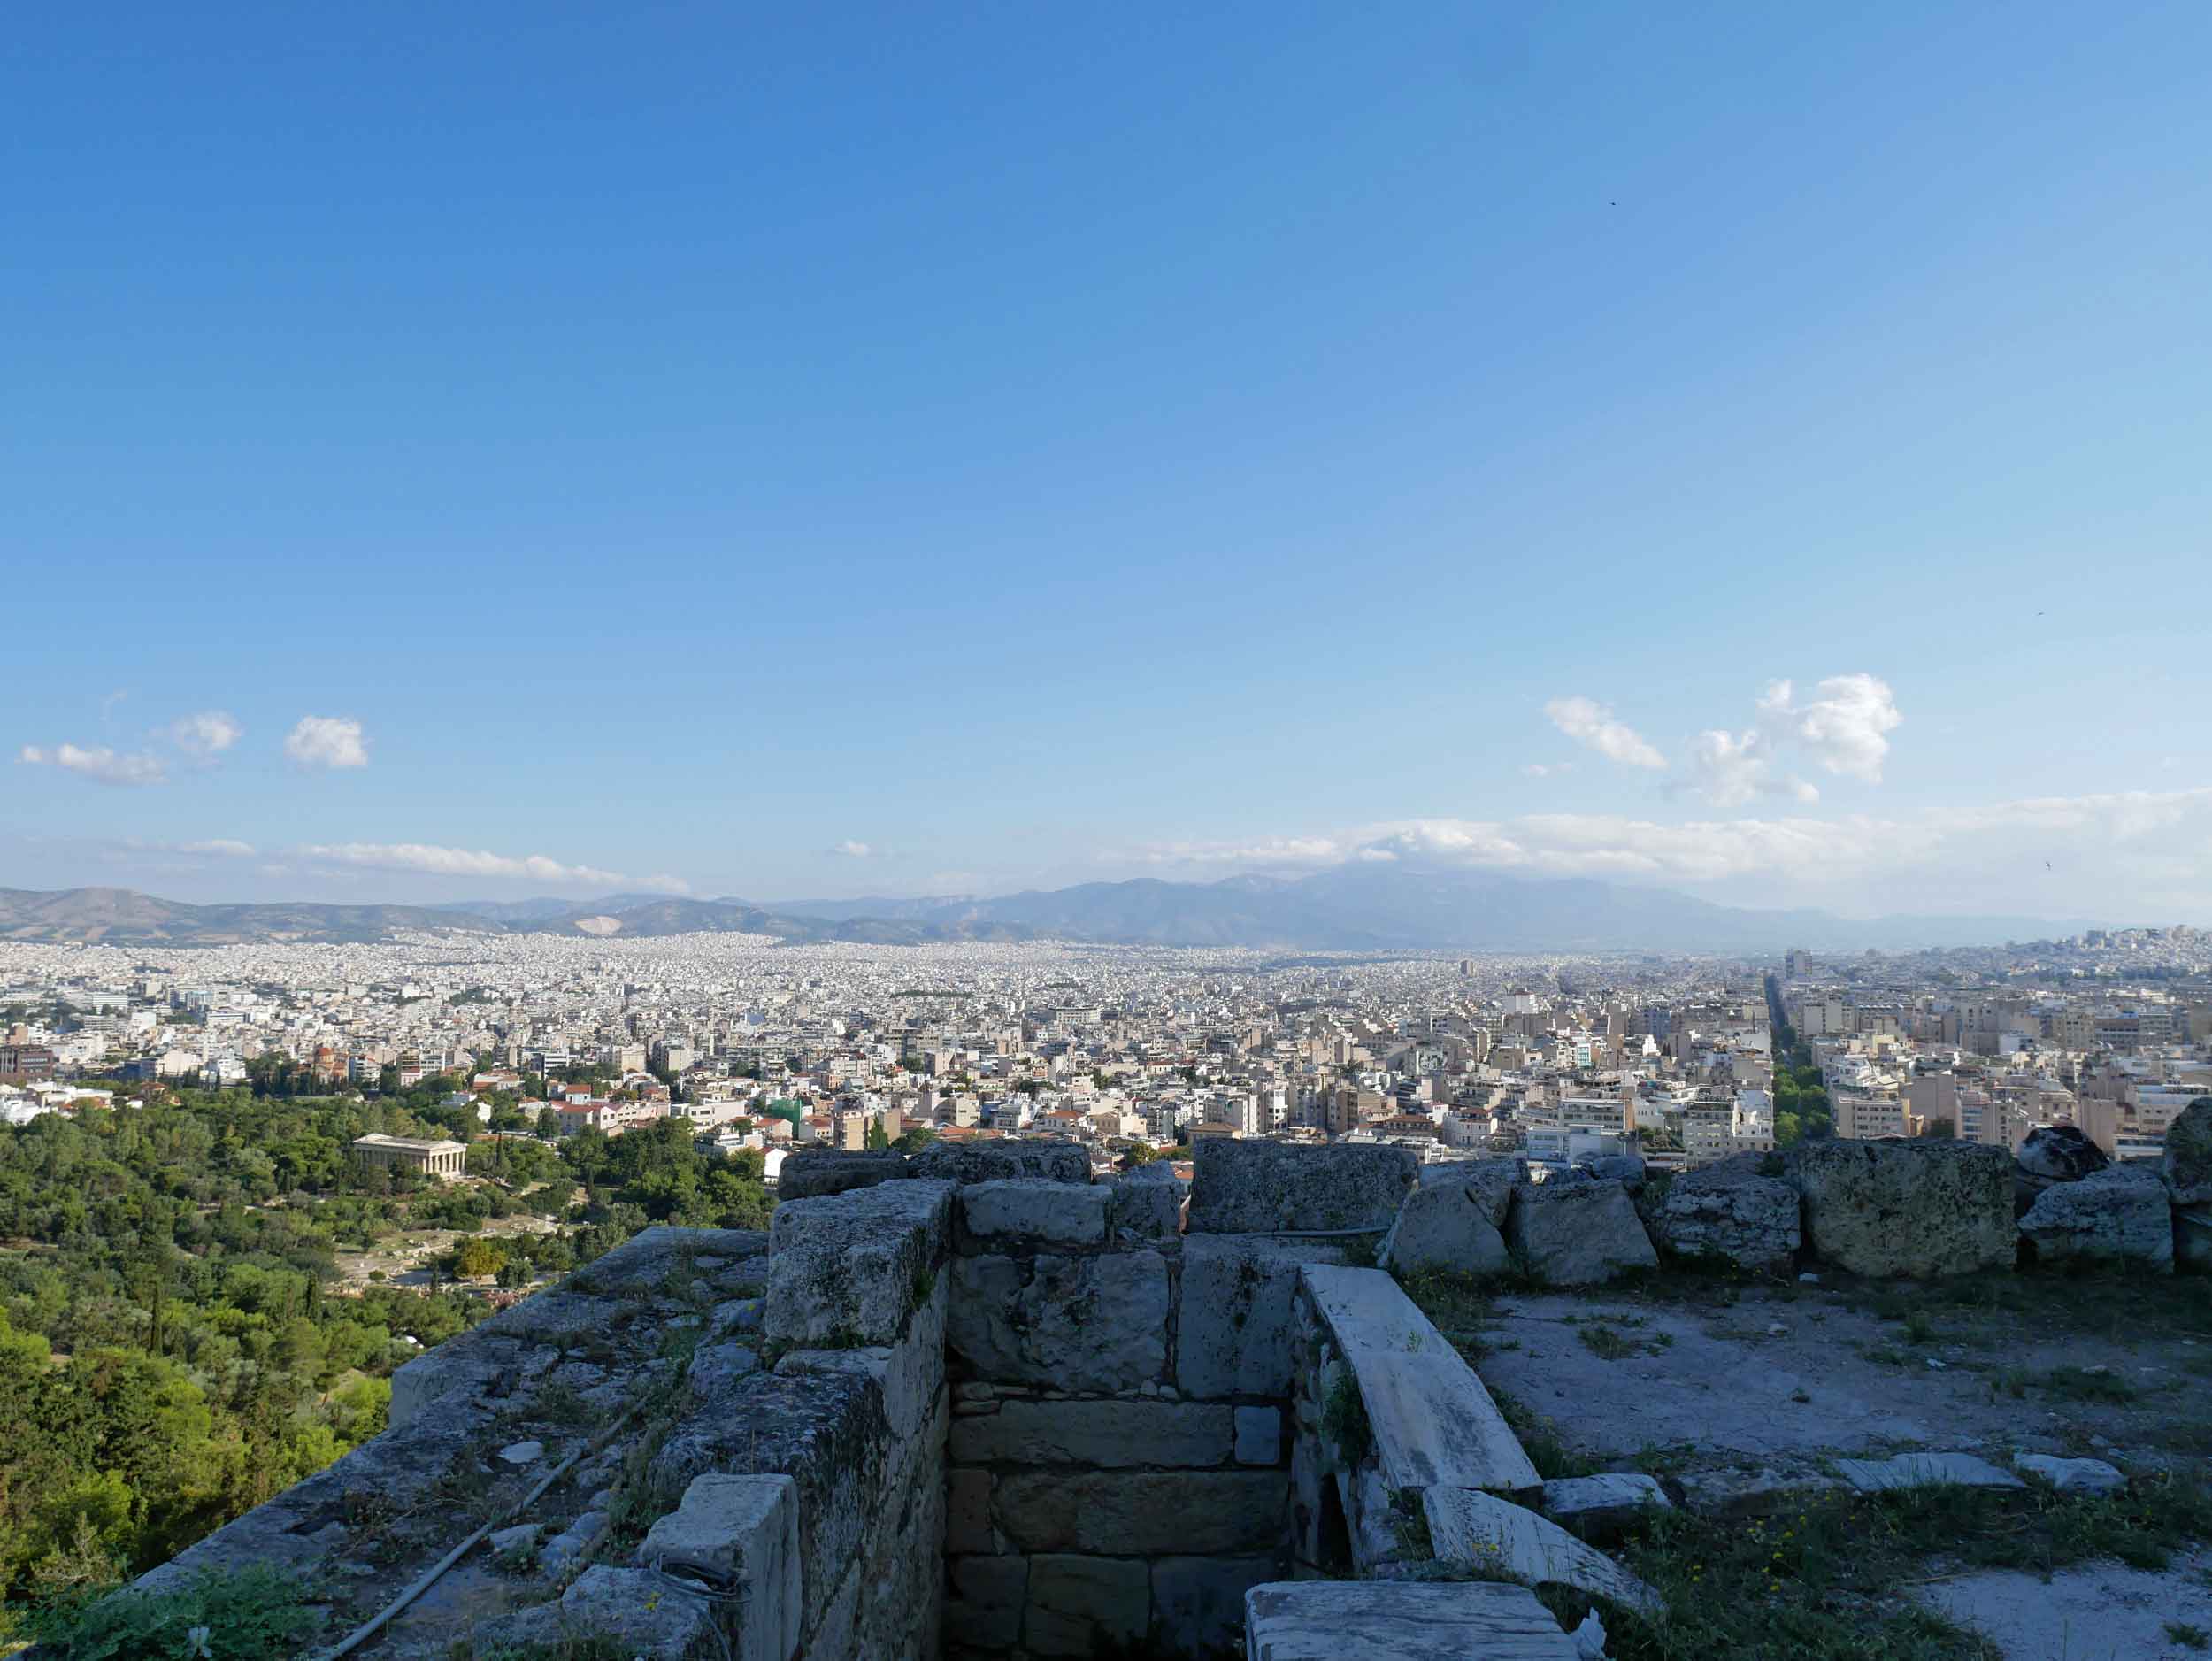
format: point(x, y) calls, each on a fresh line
point(1351, 908)
point(121, 917)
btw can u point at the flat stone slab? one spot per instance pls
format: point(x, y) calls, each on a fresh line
point(1433, 1421)
point(1051, 1161)
point(825, 1171)
point(1385, 1621)
point(1924, 1470)
point(2073, 1476)
point(1745, 1493)
point(1498, 1536)
point(1262, 1187)
point(1603, 1504)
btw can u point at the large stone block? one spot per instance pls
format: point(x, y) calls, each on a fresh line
point(849, 1268)
point(2120, 1214)
point(993, 1161)
point(1080, 1605)
point(1467, 1526)
point(732, 1533)
point(1143, 1513)
point(1578, 1233)
point(1921, 1208)
point(805, 1176)
point(1234, 1324)
point(967, 1512)
point(1024, 1211)
point(1490, 1182)
point(1144, 1209)
point(1094, 1323)
point(1393, 1621)
point(988, 1596)
point(1099, 1434)
point(1728, 1212)
point(1444, 1227)
point(2186, 1163)
point(1198, 1603)
point(1258, 1188)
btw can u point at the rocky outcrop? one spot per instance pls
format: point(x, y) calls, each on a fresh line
point(2187, 1163)
point(1576, 1234)
point(1921, 1207)
point(2120, 1214)
point(1735, 1212)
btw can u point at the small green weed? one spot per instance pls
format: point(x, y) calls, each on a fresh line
point(256, 1614)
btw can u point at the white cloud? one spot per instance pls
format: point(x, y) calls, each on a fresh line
point(228, 847)
point(1548, 769)
point(97, 761)
point(2145, 850)
point(850, 850)
point(327, 741)
point(462, 862)
point(1845, 728)
point(1589, 722)
point(1729, 770)
point(206, 734)
point(1276, 850)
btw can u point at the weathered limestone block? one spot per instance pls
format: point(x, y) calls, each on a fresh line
point(1429, 1418)
point(1446, 1228)
point(1024, 1211)
point(1198, 1603)
point(967, 1512)
point(2118, 1214)
point(1730, 1211)
point(1094, 1323)
point(1921, 1207)
point(1103, 1435)
point(850, 1267)
point(1494, 1535)
point(736, 1533)
point(1078, 1605)
point(1391, 1620)
point(1234, 1323)
point(2053, 1153)
point(1143, 1513)
point(1598, 1507)
point(1491, 1182)
point(803, 1176)
point(2186, 1163)
point(1924, 1470)
point(1576, 1234)
point(633, 1609)
point(1259, 1435)
point(1147, 1209)
point(2073, 1476)
point(1258, 1188)
point(993, 1161)
point(2193, 1236)
point(988, 1596)
point(910, 1373)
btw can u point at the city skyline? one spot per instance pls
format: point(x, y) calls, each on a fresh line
point(843, 456)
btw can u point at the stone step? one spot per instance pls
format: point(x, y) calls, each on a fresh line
point(1924, 1470)
point(1384, 1620)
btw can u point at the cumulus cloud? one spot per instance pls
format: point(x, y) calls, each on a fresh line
point(206, 734)
point(464, 862)
point(1589, 722)
point(850, 850)
point(97, 761)
point(1729, 769)
point(1845, 727)
point(327, 741)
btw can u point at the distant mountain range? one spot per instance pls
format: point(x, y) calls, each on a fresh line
point(1350, 908)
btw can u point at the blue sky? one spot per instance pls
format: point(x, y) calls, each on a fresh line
point(682, 443)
